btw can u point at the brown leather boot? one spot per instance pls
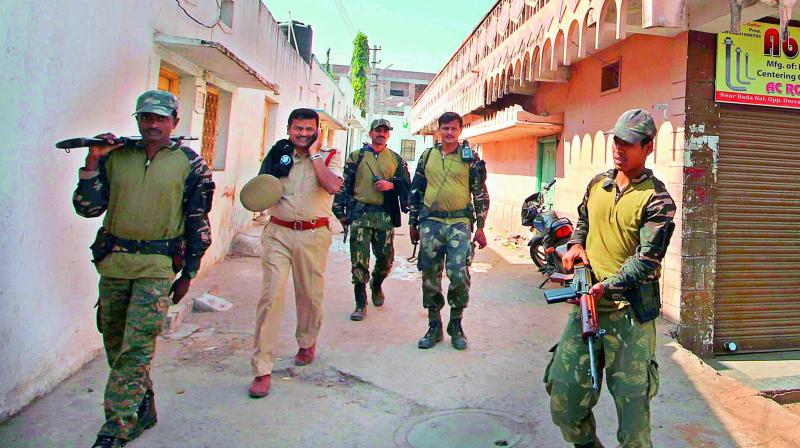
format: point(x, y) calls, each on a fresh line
point(259, 388)
point(305, 356)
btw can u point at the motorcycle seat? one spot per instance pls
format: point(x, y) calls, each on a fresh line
point(559, 222)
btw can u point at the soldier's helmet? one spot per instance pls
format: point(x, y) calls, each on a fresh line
point(261, 193)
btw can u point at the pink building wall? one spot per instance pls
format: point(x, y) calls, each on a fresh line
point(653, 77)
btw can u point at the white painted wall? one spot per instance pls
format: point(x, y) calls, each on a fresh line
point(75, 70)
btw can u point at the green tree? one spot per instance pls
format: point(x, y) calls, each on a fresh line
point(359, 68)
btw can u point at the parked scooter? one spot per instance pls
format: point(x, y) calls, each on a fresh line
point(550, 234)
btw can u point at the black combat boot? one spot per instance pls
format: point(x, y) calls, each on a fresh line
point(147, 417)
point(377, 292)
point(433, 336)
point(457, 336)
point(108, 442)
point(360, 312)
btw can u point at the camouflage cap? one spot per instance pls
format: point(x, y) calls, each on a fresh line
point(380, 122)
point(261, 193)
point(156, 102)
point(634, 126)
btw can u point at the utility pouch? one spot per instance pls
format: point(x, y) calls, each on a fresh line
point(102, 246)
point(645, 301)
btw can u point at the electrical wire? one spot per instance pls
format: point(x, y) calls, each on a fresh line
point(345, 16)
point(211, 27)
point(195, 20)
point(343, 13)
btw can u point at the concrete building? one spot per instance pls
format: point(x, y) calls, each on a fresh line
point(395, 92)
point(76, 71)
point(539, 81)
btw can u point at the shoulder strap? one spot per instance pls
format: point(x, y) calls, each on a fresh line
point(425, 156)
point(361, 152)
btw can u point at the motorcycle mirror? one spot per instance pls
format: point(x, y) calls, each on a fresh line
point(549, 184)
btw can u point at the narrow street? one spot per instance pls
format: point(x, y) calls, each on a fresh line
point(371, 387)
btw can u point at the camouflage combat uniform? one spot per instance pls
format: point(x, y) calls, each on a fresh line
point(448, 195)
point(363, 206)
point(166, 199)
point(625, 234)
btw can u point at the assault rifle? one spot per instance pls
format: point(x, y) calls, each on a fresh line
point(578, 288)
point(82, 142)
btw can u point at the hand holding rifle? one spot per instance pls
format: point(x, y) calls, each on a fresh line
point(580, 291)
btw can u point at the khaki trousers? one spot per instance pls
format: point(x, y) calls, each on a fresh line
point(305, 252)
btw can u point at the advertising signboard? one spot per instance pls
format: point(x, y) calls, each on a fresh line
point(756, 67)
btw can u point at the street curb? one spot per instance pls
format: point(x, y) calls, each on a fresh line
point(750, 418)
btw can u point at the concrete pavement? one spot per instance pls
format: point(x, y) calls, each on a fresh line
point(371, 387)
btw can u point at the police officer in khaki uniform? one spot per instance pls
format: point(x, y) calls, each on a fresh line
point(297, 237)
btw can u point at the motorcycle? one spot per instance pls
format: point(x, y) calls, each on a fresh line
point(550, 234)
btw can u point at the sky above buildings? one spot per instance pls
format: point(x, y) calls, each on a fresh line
point(417, 35)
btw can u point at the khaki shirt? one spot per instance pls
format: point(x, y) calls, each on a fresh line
point(382, 164)
point(303, 197)
point(448, 184)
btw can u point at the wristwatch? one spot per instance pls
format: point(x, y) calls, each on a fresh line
point(316, 156)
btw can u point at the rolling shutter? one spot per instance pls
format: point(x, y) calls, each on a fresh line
point(757, 295)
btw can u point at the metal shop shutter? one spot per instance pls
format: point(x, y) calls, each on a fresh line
point(757, 296)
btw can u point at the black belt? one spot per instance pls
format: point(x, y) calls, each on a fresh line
point(157, 247)
point(106, 243)
point(463, 213)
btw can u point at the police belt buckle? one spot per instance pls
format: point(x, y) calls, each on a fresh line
point(297, 225)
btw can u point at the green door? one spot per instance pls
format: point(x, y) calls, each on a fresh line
point(546, 167)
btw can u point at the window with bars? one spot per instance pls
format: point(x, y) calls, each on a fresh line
point(210, 121)
point(216, 127)
point(408, 149)
point(398, 89)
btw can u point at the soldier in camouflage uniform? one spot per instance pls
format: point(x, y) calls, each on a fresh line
point(448, 197)
point(156, 196)
point(625, 254)
point(376, 184)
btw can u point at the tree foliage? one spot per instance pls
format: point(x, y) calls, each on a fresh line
point(359, 69)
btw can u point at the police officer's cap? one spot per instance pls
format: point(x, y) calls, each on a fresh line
point(261, 193)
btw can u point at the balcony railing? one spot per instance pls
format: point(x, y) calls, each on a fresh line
point(521, 42)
